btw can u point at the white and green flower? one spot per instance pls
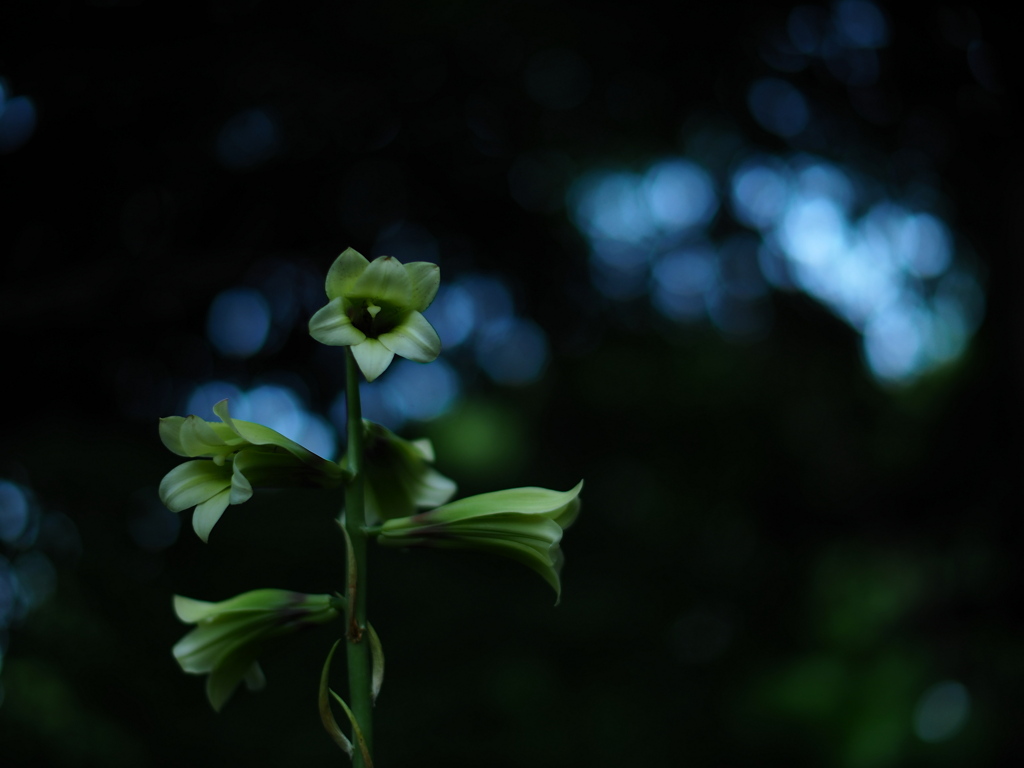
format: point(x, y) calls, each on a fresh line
point(400, 478)
point(237, 455)
point(230, 635)
point(524, 524)
point(375, 307)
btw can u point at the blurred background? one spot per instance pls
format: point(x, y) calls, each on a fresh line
point(749, 269)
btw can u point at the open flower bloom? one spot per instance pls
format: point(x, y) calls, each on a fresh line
point(375, 307)
point(230, 635)
point(524, 524)
point(399, 477)
point(238, 455)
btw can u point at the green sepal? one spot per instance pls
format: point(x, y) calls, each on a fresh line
point(377, 657)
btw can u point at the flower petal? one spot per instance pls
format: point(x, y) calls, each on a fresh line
point(434, 489)
point(208, 513)
point(528, 501)
point(255, 601)
point(241, 488)
point(414, 339)
point(384, 280)
point(226, 676)
point(527, 539)
point(190, 610)
point(343, 273)
point(170, 428)
point(257, 434)
point(423, 447)
point(425, 278)
point(330, 325)
point(192, 483)
point(255, 680)
point(198, 437)
point(373, 358)
point(202, 649)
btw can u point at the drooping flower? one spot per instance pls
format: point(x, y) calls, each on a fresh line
point(230, 635)
point(375, 308)
point(524, 524)
point(237, 456)
point(399, 476)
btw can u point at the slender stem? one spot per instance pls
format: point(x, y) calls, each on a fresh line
point(357, 645)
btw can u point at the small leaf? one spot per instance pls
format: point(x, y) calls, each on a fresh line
point(356, 730)
point(377, 654)
point(326, 715)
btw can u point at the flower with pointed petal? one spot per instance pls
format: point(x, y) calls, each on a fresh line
point(399, 475)
point(375, 307)
point(237, 455)
point(524, 524)
point(230, 635)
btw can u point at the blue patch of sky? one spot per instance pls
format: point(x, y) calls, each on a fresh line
point(942, 711)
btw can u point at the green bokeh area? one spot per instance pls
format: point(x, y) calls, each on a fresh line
point(779, 559)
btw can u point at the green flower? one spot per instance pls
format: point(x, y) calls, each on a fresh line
point(230, 635)
point(375, 308)
point(524, 524)
point(399, 475)
point(238, 455)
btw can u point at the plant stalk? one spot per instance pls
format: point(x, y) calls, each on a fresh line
point(357, 639)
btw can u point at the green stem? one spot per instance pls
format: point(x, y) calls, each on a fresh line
point(357, 639)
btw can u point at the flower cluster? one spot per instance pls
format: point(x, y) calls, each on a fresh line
point(236, 455)
point(374, 308)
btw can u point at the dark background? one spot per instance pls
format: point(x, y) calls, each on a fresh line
point(782, 557)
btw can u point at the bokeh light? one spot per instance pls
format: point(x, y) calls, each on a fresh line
point(407, 391)
point(248, 139)
point(512, 350)
point(31, 540)
point(882, 265)
point(942, 711)
point(17, 119)
point(239, 322)
point(779, 107)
